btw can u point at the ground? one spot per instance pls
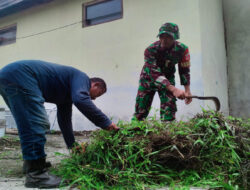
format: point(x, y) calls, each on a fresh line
point(11, 176)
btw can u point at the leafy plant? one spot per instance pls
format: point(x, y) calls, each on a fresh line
point(210, 150)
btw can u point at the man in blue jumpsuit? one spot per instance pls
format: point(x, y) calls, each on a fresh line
point(25, 86)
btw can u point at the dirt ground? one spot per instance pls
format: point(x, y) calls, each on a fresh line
point(11, 177)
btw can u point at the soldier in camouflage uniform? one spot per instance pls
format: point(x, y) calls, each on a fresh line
point(157, 74)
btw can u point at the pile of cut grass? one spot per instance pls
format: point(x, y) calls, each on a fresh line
point(209, 150)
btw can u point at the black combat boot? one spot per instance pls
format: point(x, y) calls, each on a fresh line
point(47, 165)
point(37, 175)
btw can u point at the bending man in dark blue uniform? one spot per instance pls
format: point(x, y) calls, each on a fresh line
point(25, 86)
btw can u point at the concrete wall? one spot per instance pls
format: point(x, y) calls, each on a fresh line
point(214, 65)
point(114, 50)
point(237, 14)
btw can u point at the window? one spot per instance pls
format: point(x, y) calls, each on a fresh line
point(100, 11)
point(8, 35)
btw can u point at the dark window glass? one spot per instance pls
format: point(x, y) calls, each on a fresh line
point(100, 12)
point(8, 35)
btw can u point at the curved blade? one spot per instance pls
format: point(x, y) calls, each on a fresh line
point(215, 99)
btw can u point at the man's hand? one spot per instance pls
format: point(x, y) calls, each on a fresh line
point(188, 100)
point(178, 93)
point(78, 148)
point(112, 127)
point(187, 93)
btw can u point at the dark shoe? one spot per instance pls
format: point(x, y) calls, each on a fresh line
point(42, 180)
point(47, 165)
point(37, 175)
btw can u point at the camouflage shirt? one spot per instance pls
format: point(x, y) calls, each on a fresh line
point(159, 66)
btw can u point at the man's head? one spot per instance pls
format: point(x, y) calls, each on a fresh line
point(98, 87)
point(168, 33)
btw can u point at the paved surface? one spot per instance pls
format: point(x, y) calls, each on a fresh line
point(11, 177)
point(16, 184)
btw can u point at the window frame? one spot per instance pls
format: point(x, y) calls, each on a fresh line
point(84, 12)
point(6, 28)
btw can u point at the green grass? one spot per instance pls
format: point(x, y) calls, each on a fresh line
point(209, 150)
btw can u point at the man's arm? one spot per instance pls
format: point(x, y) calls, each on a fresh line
point(184, 72)
point(80, 86)
point(84, 103)
point(64, 117)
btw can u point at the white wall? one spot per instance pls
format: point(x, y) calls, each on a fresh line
point(214, 65)
point(237, 16)
point(114, 50)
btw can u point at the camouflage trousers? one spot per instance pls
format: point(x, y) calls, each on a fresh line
point(144, 100)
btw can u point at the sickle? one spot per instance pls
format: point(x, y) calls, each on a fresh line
point(215, 99)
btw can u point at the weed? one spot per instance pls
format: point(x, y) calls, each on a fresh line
point(209, 150)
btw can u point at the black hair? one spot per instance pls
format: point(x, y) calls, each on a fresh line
point(100, 81)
